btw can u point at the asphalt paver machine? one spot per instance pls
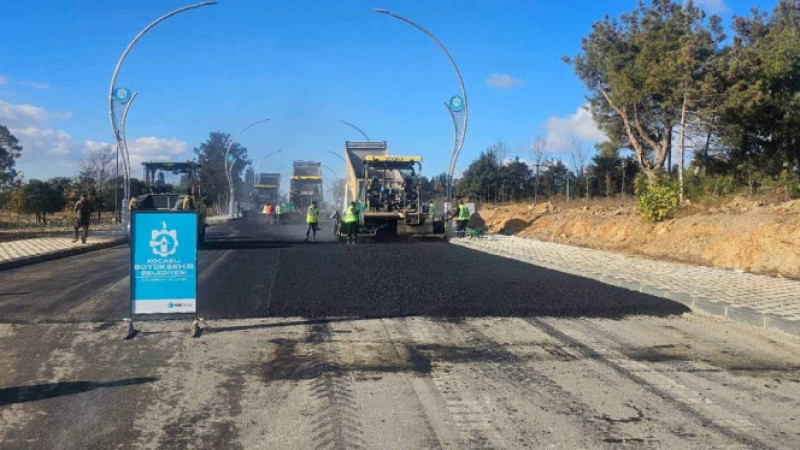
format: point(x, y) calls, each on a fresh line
point(164, 195)
point(387, 188)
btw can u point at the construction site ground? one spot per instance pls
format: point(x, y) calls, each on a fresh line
point(751, 235)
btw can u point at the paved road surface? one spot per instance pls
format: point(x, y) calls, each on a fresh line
point(422, 345)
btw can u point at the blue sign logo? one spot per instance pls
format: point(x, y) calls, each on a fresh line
point(164, 242)
point(456, 103)
point(122, 95)
point(164, 262)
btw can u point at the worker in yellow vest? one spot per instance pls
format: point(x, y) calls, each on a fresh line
point(312, 219)
point(463, 219)
point(351, 222)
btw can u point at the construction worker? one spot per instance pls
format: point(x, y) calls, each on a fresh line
point(83, 212)
point(278, 212)
point(188, 203)
point(312, 219)
point(463, 219)
point(351, 222)
point(335, 218)
point(432, 211)
point(268, 213)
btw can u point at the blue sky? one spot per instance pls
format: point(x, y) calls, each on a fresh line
point(303, 64)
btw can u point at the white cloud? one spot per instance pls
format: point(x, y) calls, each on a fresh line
point(36, 85)
point(43, 143)
point(713, 6)
point(49, 151)
point(24, 115)
point(3, 80)
point(561, 130)
point(148, 148)
point(151, 148)
point(502, 81)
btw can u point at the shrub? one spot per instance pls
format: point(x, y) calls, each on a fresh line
point(658, 200)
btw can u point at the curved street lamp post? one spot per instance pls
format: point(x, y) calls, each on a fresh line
point(355, 128)
point(126, 154)
point(258, 164)
point(458, 135)
point(229, 164)
point(118, 136)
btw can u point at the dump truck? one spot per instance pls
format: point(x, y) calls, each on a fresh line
point(267, 189)
point(164, 196)
point(387, 188)
point(306, 185)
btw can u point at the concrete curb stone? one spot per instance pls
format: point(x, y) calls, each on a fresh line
point(20, 262)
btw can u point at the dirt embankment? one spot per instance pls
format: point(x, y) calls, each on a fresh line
point(742, 234)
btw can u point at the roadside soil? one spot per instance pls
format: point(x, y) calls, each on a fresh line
point(755, 236)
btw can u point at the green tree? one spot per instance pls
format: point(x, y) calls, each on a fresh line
point(555, 176)
point(607, 167)
point(18, 200)
point(636, 71)
point(41, 199)
point(211, 155)
point(759, 118)
point(10, 150)
point(515, 180)
point(481, 179)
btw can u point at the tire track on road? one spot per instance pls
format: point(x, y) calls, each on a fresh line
point(335, 423)
point(439, 434)
point(505, 368)
point(467, 409)
point(738, 414)
point(682, 397)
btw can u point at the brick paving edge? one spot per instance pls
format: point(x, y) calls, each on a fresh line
point(21, 262)
point(735, 313)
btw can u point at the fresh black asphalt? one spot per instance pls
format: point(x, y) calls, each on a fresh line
point(250, 269)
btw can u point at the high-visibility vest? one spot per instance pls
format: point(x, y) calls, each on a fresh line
point(311, 215)
point(268, 209)
point(463, 212)
point(264, 210)
point(278, 209)
point(350, 215)
point(432, 210)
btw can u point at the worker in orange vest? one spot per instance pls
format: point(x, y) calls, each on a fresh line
point(268, 213)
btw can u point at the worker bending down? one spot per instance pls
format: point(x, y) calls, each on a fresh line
point(351, 222)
